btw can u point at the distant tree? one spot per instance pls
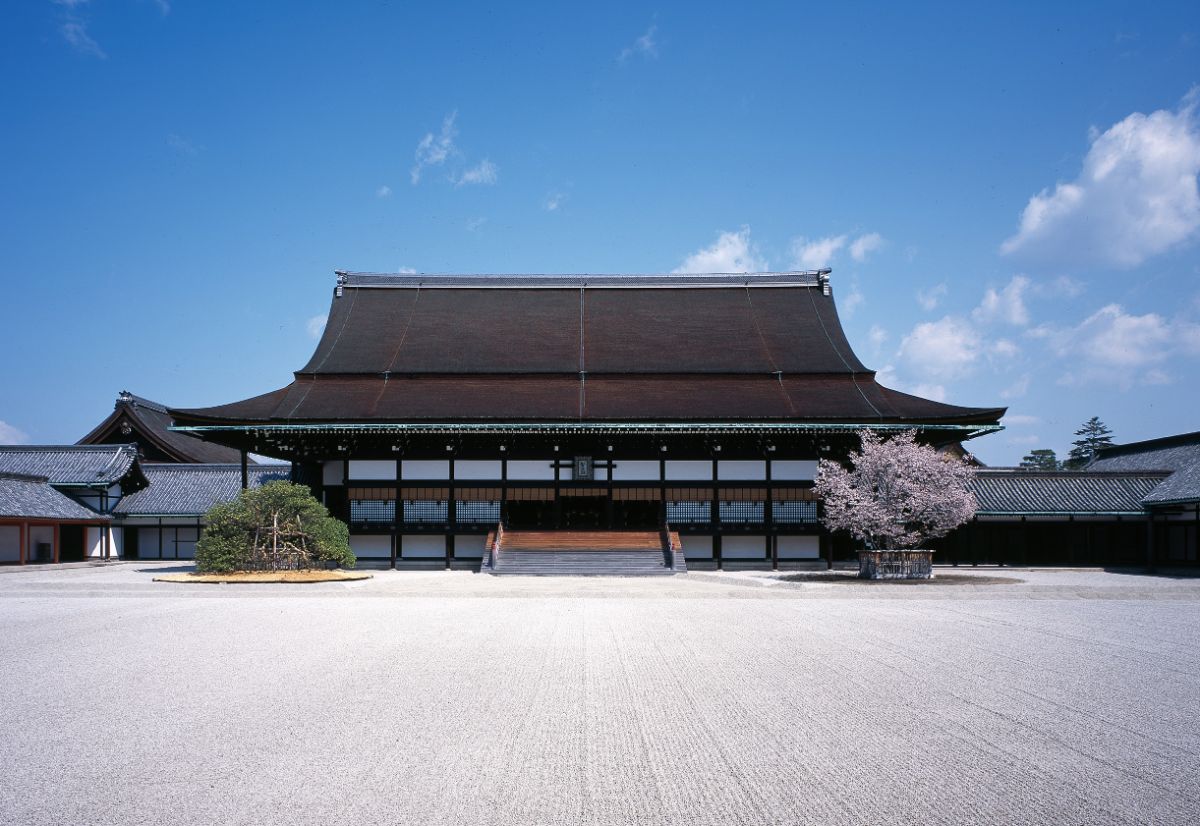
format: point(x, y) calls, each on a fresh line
point(1092, 436)
point(897, 493)
point(1040, 459)
point(277, 526)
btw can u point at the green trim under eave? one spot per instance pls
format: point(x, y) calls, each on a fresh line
point(972, 430)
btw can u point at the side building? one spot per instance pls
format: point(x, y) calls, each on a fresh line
point(436, 408)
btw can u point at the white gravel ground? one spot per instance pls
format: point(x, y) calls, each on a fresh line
point(455, 698)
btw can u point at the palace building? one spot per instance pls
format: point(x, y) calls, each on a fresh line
point(440, 414)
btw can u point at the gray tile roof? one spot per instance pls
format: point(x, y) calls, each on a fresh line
point(1011, 491)
point(31, 497)
point(190, 490)
point(1180, 455)
point(70, 465)
point(135, 419)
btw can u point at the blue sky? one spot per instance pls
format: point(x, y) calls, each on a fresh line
point(1007, 194)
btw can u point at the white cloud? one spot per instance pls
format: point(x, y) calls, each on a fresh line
point(1029, 440)
point(164, 6)
point(10, 435)
point(1135, 197)
point(1007, 305)
point(1003, 351)
point(475, 224)
point(316, 325)
point(182, 145)
point(73, 28)
point(433, 150)
point(936, 392)
point(877, 336)
point(384, 191)
point(929, 299)
point(864, 245)
point(1019, 420)
point(853, 300)
point(1113, 347)
point(645, 46)
point(553, 201)
point(406, 271)
point(945, 349)
point(817, 253)
point(1017, 389)
point(731, 252)
point(484, 173)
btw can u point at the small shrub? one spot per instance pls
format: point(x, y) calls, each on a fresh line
point(274, 527)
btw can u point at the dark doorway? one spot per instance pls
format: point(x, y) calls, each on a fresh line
point(639, 516)
point(130, 549)
point(70, 543)
point(536, 515)
point(584, 513)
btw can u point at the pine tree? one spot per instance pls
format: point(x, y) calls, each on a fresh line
point(1093, 435)
point(1040, 459)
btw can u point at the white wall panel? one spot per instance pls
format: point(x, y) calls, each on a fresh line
point(742, 469)
point(799, 547)
point(688, 469)
point(530, 469)
point(425, 469)
point(422, 546)
point(468, 546)
point(332, 473)
point(38, 534)
point(383, 469)
point(635, 470)
point(794, 470)
point(148, 543)
point(477, 469)
point(10, 543)
point(697, 547)
point(371, 546)
point(743, 547)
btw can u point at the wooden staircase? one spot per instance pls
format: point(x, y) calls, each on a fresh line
point(584, 553)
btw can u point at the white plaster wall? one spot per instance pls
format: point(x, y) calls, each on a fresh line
point(185, 541)
point(741, 469)
point(93, 545)
point(148, 543)
point(477, 469)
point(469, 545)
point(799, 547)
point(117, 538)
point(331, 472)
point(794, 470)
point(635, 470)
point(422, 546)
point(679, 469)
point(371, 546)
point(697, 547)
point(531, 469)
point(39, 533)
point(372, 469)
point(425, 469)
point(743, 547)
point(10, 543)
point(600, 474)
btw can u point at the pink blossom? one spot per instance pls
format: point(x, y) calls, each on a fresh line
point(897, 494)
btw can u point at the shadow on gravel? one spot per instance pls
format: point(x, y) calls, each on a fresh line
point(169, 569)
point(938, 579)
point(1161, 573)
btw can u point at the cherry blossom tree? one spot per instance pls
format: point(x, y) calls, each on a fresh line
point(897, 494)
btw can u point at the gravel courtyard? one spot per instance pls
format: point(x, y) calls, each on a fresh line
point(455, 698)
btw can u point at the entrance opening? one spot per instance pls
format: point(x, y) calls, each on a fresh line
point(586, 513)
point(640, 516)
point(70, 543)
point(530, 515)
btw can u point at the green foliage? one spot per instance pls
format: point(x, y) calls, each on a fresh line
point(1094, 434)
point(264, 515)
point(1040, 459)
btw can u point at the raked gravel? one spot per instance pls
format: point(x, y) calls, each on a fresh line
point(453, 698)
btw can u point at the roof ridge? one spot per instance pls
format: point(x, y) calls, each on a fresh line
point(70, 448)
point(23, 477)
point(794, 278)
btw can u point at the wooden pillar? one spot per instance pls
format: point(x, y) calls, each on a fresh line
point(245, 472)
point(56, 541)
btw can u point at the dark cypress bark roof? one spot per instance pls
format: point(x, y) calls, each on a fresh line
point(190, 490)
point(764, 347)
point(31, 497)
point(147, 424)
